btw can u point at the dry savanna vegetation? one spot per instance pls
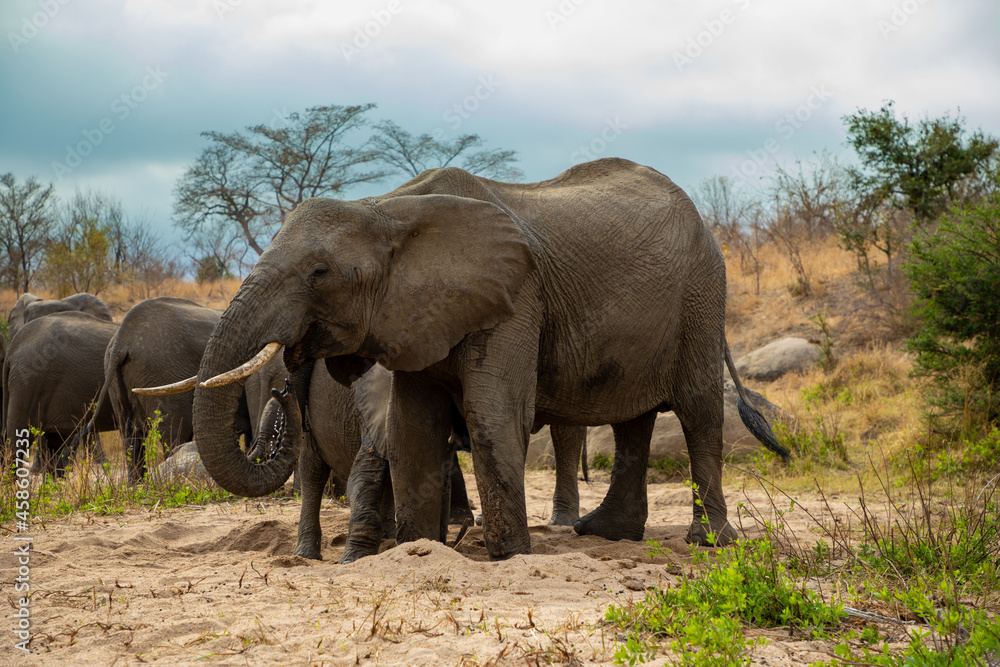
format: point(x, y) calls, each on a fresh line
point(879, 544)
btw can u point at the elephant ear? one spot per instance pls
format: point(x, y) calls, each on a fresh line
point(455, 266)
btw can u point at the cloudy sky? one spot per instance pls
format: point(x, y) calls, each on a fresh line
point(112, 94)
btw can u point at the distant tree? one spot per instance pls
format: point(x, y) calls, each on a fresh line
point(27, 215)
point(95, 245)
point(79, 259)
point(805, 204)
point(921, 168)
point(411, 154)
point(246, 183)
point(909, 174)
point(736, 218)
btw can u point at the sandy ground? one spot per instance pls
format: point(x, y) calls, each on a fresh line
point(219, 585)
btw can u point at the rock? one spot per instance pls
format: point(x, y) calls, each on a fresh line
point(778, 358)
point(668, 437)
point(184, 462)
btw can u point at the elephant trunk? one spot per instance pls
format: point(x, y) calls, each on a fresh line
point(215, 408)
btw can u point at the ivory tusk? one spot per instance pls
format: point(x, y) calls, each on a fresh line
point(163, 390)
point(250, 367)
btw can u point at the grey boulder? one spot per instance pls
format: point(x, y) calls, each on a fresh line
point(184, 463)
point(668, 437)
point(778, 358)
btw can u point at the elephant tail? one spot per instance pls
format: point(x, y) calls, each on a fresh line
point(752, 418)
point(90, 417)
point(583, 462)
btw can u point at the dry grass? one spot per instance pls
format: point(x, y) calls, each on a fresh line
point(120, 298)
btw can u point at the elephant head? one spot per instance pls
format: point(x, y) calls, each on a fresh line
point(399, 281)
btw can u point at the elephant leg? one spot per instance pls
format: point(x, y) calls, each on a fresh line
point(134, 444)
point(460, 509)
point(418, 426)
point(622, 513)
point(370, 491)
point(701, 421)
point(499, 446)
point(567, 443)
point(313, 473)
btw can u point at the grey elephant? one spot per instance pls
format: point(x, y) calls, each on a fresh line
point(370, 487)
point(53, 371)
point(159, 341)
point(338, 418)
point(29, 307)
point(597, 297)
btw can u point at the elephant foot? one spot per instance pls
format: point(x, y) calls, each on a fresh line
point(310, 551)
point(563, 518)
point(459, 515)
point(610, 525)
point(703, 535)
point(355, 552)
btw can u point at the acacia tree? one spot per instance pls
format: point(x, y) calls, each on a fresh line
point(411, 154)
point(235, 196)
point(248, 182)
point(27, 215)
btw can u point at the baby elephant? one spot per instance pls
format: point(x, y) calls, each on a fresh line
point(344, 433)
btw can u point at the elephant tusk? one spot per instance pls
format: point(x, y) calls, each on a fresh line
point(249, 368)
point(163, 390)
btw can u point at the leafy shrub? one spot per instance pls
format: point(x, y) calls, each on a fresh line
point(956, 274)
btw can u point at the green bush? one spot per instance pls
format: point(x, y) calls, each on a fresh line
point(955, 273)
point(704, 614)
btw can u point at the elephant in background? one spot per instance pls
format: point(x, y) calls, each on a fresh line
point(160, 341)
point(337, 416)
point(53, 371)
point(29, 307)
point(597, 297)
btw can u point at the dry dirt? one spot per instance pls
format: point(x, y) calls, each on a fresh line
point(219, 585)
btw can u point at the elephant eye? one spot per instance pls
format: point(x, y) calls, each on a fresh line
point(319, 272)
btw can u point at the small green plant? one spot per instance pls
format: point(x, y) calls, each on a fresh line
point(827, 359)
point(703, 615)
point(152, 444)
point(956, 637)
point(601, 461)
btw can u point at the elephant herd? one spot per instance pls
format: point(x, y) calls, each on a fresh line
point(452, 311)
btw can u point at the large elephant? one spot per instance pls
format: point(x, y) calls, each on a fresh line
point(52, 373)
point(596, 297)
point(29, 307)
point(160, 341)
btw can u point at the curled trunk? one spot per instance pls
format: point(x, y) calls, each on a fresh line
point(215, 409)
